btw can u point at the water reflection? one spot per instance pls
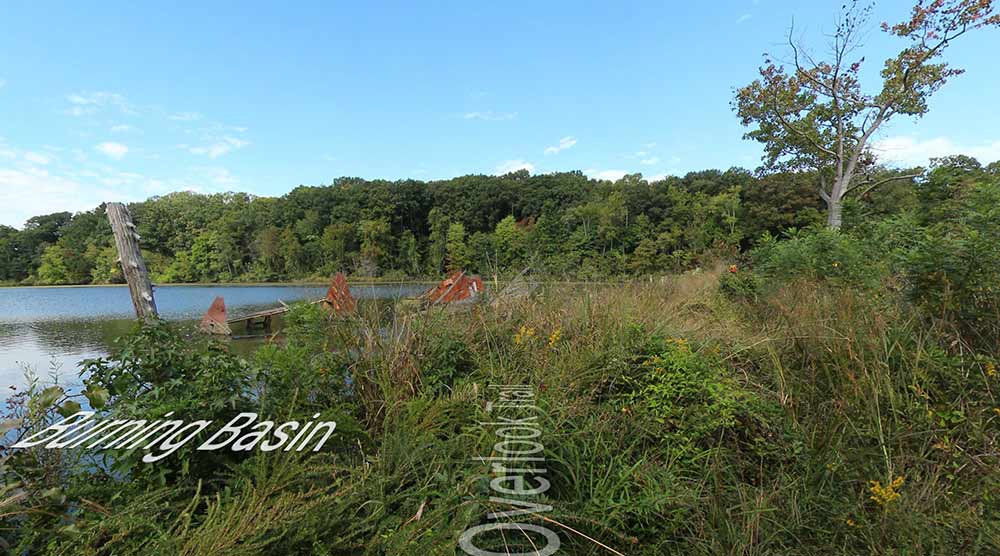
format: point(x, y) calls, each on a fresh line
point(53, 329)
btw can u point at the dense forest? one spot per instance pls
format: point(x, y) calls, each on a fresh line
point(562, 224)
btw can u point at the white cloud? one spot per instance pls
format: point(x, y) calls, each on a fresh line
point(36, 158)
point(112, 150)
point(742, 18)
point(90, 102)
point(222, 177)
point(185, 116)
point(223, 146)
point(564, 143)
point(31, 191)
point(650, 160)
point(509, 166)
point(650, 145)
point(904, 150)
point(490, 116)
point(610, 175)
point(3, 83)
point(123, 128)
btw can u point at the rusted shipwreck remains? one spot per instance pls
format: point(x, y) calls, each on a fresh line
point(338, 301)
point(458, 288)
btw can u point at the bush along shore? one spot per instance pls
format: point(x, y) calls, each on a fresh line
point(834, 392)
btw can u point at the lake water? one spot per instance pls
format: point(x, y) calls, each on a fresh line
point(50, 330)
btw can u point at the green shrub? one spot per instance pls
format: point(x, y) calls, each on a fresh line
point(816, 254)
point(740, 285)
point(156, 370)
point(686, 393)
point(953, 269)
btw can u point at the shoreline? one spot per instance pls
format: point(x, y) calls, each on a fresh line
point(228, 284)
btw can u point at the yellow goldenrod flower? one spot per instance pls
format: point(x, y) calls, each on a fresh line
point(554, 337)
point(991, 369)
point(885, 495)
point(523, 334)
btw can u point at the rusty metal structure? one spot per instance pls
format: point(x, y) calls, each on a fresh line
point(214, 321)
point(338, 300)
point(338, 297)
point(458, 288)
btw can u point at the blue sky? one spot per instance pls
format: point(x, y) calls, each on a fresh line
point(120, 101)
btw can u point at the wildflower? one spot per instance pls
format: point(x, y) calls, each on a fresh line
point(554, 337)
point(523, 334)
point(850, 522)
point(991, 369)
point(733, 269)
point(885, 495)
point(996, 410)
point(836, 264)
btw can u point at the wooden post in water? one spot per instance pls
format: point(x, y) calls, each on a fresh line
point(133, 267)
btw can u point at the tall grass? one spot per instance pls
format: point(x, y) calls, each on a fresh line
point(674, 419)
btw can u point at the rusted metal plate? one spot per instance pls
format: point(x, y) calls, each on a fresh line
point(338, 297)
point(214, 321)
point(458, 286)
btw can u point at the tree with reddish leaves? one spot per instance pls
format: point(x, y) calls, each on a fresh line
point(813, 114)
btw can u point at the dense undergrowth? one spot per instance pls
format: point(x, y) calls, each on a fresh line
point(676, 418)
point(829, 393)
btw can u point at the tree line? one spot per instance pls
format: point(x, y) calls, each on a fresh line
point(563, 224)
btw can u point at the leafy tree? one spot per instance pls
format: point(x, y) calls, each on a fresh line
point(409, 254)
point(437, 248)
point(813, 114)
point(292, 251)
point(374, 245)
point(508, 241)
point(458, 251)
point(53, 269)
point(335, 245)
point(269, 250)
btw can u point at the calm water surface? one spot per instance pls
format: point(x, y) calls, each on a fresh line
point(50, 330)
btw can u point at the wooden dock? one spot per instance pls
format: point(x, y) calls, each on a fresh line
point(260, 319)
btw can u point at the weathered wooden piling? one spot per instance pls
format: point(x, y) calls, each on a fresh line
point(133, 267)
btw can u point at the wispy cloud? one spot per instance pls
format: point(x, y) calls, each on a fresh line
point(37, 158)
point(220, 147)
point(564, 143)
point(112, 149)
point(90, 102)
point(222, 177)
point(123, 128)
point(3, 83)
point(905, 150)
point(490, 116)
point(509, 166)
point(743, 18)
point(650, 160)
point(185, 116)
